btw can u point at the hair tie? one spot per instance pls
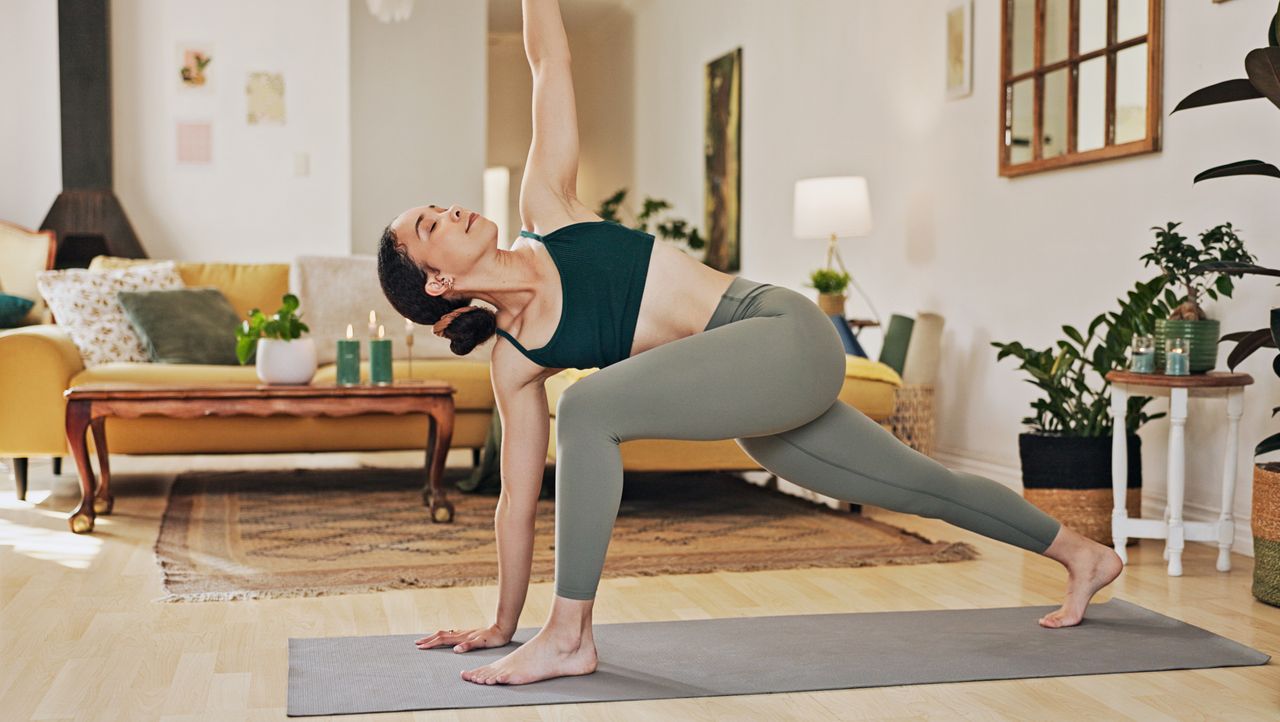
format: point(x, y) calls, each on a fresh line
point(439, 327)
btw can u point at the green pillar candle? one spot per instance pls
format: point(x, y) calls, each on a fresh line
point(348, 360)
point(380, 360)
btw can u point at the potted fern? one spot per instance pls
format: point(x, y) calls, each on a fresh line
point(283, 356)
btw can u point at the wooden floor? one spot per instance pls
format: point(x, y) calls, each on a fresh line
point(81, 640)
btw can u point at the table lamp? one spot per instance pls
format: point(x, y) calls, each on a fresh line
point(833, 207)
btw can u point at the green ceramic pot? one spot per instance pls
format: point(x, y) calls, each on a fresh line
point(1204, 341)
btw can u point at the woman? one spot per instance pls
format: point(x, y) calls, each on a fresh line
point(684, 352)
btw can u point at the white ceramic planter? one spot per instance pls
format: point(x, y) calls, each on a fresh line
point(286, 362)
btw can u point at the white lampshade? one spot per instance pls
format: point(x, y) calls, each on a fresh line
point(836, 205)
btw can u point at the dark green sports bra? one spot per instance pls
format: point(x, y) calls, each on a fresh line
point(602, 267)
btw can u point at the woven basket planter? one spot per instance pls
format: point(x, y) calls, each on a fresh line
point(1069, 478)
point(1266, 533)
point(912, 420)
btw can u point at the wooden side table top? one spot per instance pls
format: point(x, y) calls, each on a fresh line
point(145, 392)
point(1209, 379)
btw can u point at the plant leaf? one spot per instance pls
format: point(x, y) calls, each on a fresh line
point(1273, 30)
point(245, 346)
point(1263, 67)
point(1241, 167)
point(1245, 347)
point(1227, 91)
point(1271, 443)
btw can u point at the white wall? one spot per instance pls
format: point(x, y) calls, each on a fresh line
point(603, 70)
point(417, 113)
point(835, 87)
point(30, 127)
point(247, 205)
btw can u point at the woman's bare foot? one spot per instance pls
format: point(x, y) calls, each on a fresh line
point(563, 647)
point(542, 657)
point(1090, 567)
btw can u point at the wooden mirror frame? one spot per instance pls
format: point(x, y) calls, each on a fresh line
point(1155, 61)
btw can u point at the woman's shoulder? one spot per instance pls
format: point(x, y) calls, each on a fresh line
point(545, 218)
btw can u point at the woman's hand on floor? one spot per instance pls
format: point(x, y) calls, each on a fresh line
point(466, 639)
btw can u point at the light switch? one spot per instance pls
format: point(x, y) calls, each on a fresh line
point(301, 165)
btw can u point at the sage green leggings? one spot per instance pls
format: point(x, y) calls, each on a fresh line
point(766, 371)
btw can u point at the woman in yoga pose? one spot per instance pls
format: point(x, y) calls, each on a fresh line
point(683, 351)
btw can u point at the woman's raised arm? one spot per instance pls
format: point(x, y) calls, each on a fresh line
point(551, 170)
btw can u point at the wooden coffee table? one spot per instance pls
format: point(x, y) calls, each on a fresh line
point(89, 406)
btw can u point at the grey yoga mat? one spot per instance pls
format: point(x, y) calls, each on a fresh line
point(756, 655)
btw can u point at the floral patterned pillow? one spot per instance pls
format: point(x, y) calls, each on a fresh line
point(84, 303)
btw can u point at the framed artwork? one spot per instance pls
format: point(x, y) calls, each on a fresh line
point(195, 142)
point(959, 48)
point(194, 72)
point(264, 95)
point(722, 151)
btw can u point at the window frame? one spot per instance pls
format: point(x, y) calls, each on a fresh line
point(1110, 149)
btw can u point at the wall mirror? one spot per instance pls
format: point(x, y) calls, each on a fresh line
point(1081, 82)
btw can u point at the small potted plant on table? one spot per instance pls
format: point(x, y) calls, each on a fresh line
point(283, 356)
point(1187, 265)
point(831, 285)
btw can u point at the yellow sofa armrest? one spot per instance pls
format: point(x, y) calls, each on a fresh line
point(36, 363)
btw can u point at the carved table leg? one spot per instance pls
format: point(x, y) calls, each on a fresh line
point(439, 437)
point(103, 501)
point(77, 423)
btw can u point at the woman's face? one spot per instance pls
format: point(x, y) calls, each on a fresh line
point(444, 242)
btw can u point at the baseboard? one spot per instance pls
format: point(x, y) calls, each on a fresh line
point(1152, 504)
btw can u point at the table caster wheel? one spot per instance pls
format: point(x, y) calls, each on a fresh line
point(81, 523)
point(442, 514)
point(103, 506)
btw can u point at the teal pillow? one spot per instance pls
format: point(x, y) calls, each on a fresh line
point(183, 326)
point(13, 309)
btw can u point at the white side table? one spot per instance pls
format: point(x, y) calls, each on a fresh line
point(1173, 529)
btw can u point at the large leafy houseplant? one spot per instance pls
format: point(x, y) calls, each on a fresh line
point(1072, 377)
point(1262, 68)
point(652, 212)
point(1066, 455)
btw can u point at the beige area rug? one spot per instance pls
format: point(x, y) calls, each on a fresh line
point(311, 532)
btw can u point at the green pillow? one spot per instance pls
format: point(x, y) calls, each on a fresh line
point(13, 309)
point(183, 326)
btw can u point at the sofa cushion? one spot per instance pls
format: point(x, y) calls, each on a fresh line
point(338, 290)
point(246, 285)
point(23, 254)
point(14, 309)
point(84, 303)
point(184, 325)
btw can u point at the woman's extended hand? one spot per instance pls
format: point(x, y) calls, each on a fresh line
point(466, 639)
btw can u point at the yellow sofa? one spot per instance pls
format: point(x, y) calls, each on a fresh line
point(38, 363)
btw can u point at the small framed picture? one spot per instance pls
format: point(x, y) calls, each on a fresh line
point(193, 71)
point(959, 48)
